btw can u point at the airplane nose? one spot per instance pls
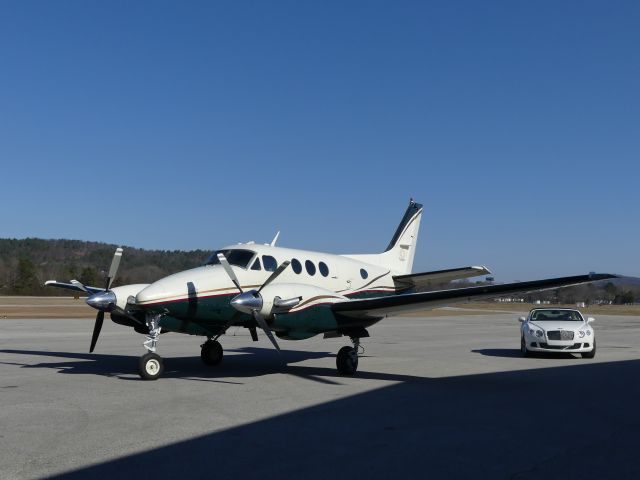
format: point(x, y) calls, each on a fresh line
point(102, 300)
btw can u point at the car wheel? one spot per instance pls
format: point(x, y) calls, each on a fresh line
point(592, 353)
point(523, 347)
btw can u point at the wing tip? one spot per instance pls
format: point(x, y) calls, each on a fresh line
point(602, 276)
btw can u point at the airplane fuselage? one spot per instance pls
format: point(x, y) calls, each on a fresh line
point(197, 301)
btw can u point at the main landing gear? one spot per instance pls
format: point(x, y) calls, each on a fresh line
point(347, 358)
point(211, 353)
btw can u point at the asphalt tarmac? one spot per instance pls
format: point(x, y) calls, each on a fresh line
point(436, 397)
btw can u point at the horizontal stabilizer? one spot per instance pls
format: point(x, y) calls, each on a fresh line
point(394, 304)
point(414, 280)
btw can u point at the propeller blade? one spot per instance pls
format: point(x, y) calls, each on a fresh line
point(263, 325)
point(79, 285)
point(115, 263)
point(275, 274)
point(254, 334)
point(96, 330)
point(227, 268)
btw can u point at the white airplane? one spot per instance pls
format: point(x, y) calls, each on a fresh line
point(295, 294)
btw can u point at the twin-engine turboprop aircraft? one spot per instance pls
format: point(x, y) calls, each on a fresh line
point(294, 294)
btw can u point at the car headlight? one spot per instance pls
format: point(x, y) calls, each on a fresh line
point(581, 333)
point(539, 333)
point(588, 332)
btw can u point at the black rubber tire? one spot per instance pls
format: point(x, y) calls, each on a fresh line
point(211, 353)
point(347, 361)
point(592, 353)
point(523, 348)
point(150, 366)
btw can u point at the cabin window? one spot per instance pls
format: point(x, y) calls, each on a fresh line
point(311, 268)
point(237, 257)
point(270, 263)
point(363, 273)
point(296, 265)
point(256, 265)
point(324, 270)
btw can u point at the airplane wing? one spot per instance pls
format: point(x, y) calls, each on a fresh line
point(382, 306)
point(423, 279)
point(73, 286)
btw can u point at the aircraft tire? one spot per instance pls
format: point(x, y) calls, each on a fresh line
point(211, 353)
point(347, 361)
point(150, 366)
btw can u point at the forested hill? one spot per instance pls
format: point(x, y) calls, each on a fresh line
point(26, 264)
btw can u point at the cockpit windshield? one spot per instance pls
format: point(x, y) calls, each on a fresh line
point(557, 315)
point(239, 258)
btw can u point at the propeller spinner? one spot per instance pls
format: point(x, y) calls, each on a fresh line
point(251, 301)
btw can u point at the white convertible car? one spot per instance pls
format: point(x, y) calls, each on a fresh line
point(557, 330)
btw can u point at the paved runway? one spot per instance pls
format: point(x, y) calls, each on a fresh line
point(438, 397)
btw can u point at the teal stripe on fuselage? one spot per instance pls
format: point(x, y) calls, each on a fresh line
point(208, 315)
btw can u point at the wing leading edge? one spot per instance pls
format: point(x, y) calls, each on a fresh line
point(382, 306)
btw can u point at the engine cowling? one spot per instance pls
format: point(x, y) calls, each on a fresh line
point(123, 293)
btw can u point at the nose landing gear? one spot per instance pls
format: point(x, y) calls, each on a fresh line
point(150, 366)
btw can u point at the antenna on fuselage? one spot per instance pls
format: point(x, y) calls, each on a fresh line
point(275, 239)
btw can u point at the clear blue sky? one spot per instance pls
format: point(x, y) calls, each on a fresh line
point(183, 125)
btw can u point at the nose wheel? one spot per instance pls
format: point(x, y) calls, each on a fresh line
point(211, 353)
point(150, 366)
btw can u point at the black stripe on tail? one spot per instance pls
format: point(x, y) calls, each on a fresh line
point(412, 209)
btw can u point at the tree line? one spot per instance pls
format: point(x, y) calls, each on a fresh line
point(25, 264)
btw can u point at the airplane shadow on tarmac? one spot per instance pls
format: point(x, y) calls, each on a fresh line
point(562, 422)
point(251, 362)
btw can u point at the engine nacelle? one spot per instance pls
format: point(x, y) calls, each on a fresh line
point(308, 296)
point(125, 291)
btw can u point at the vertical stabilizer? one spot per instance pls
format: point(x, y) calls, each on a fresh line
point(398, 257)
point(402, 247)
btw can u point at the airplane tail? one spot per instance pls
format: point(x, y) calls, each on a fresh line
point(398, 257)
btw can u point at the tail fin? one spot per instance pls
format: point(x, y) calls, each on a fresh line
point(398, 257)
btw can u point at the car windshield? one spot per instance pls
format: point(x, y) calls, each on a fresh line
point(556, 315)
point(239, 258)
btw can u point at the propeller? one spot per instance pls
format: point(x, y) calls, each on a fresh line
point(104, 301)
point(251, 301)
point(96, 330)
